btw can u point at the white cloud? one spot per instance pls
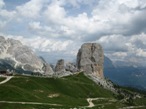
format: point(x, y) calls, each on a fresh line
point(5, 18)
point(35, 25)
point(120, 54)
point(55, 13)
point(141, 53)
point(7, 14)
point(130, 48)
point(2, 4)
point(31, 9)
point(57, 25)
point(44, 44)
point(114, 42)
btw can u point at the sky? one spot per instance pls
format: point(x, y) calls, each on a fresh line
point(56, 29)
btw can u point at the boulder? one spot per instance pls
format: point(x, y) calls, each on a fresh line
point(90, 59)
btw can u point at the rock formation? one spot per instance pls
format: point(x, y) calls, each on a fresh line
point(60, 66)
point(71, 67)
point(18, 56)
point(90, 59)
point(60, 69)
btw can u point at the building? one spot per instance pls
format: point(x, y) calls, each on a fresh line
point(6, 73)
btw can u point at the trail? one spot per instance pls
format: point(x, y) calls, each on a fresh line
point(132, 107)
point(6, 80)
point(91, 104)
point(33, 103)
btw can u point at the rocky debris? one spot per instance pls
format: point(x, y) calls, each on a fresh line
point(60, 74)
point(53, 95)
point(18, 56)
point(71, 67)
point(90, 59)
point(102, 82)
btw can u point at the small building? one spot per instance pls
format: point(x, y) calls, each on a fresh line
point(6, 73)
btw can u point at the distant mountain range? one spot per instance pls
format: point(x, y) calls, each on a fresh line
point(124, 74)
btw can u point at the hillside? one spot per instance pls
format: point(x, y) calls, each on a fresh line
point(67, 92)
point(125, 75)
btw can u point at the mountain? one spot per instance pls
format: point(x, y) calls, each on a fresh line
point(125, 75)
point(108, 63)
point(15, 56)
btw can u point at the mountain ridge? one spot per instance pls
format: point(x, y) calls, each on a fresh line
point(21, 57)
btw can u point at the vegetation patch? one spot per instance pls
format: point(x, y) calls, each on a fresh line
point(67, 92)
point(2, 79)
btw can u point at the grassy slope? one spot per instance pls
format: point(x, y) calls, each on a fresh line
point(72, 91)
point(2, 78)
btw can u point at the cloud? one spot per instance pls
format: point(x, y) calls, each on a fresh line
point(141, 53)
point(123, 17)
point(31, 9)
point(55, 13)
point(2, 4)
point(47, 45)
point(132, 48)
point(58, 25)
point(113, 43)
point(5, 16)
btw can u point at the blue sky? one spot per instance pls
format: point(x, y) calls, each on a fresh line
point(56, 29)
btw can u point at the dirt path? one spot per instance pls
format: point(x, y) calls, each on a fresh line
point(132, 107)
point(6, 80)
point(91, 104)
point(33, 103)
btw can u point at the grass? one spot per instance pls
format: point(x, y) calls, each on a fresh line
point(25, 106)
point(2, 78)
point(71, 91)
point(108, 104)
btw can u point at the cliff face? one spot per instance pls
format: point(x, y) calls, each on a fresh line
point(90, 59)
point(60, 70)
point(14, 53)
point(60, 66)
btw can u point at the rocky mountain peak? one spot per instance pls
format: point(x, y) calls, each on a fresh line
point(60, 65)
point(13, 52)
point(90, 59)
point(2, 39)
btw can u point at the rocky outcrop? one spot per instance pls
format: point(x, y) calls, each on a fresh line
point(102, 82)
point(60, 66)
point(18, 56)
point(60, 70)
point(90, 59)
point(71, 67)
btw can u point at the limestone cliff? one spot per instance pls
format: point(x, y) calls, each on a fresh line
point(90, 59)
point(18, 56)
